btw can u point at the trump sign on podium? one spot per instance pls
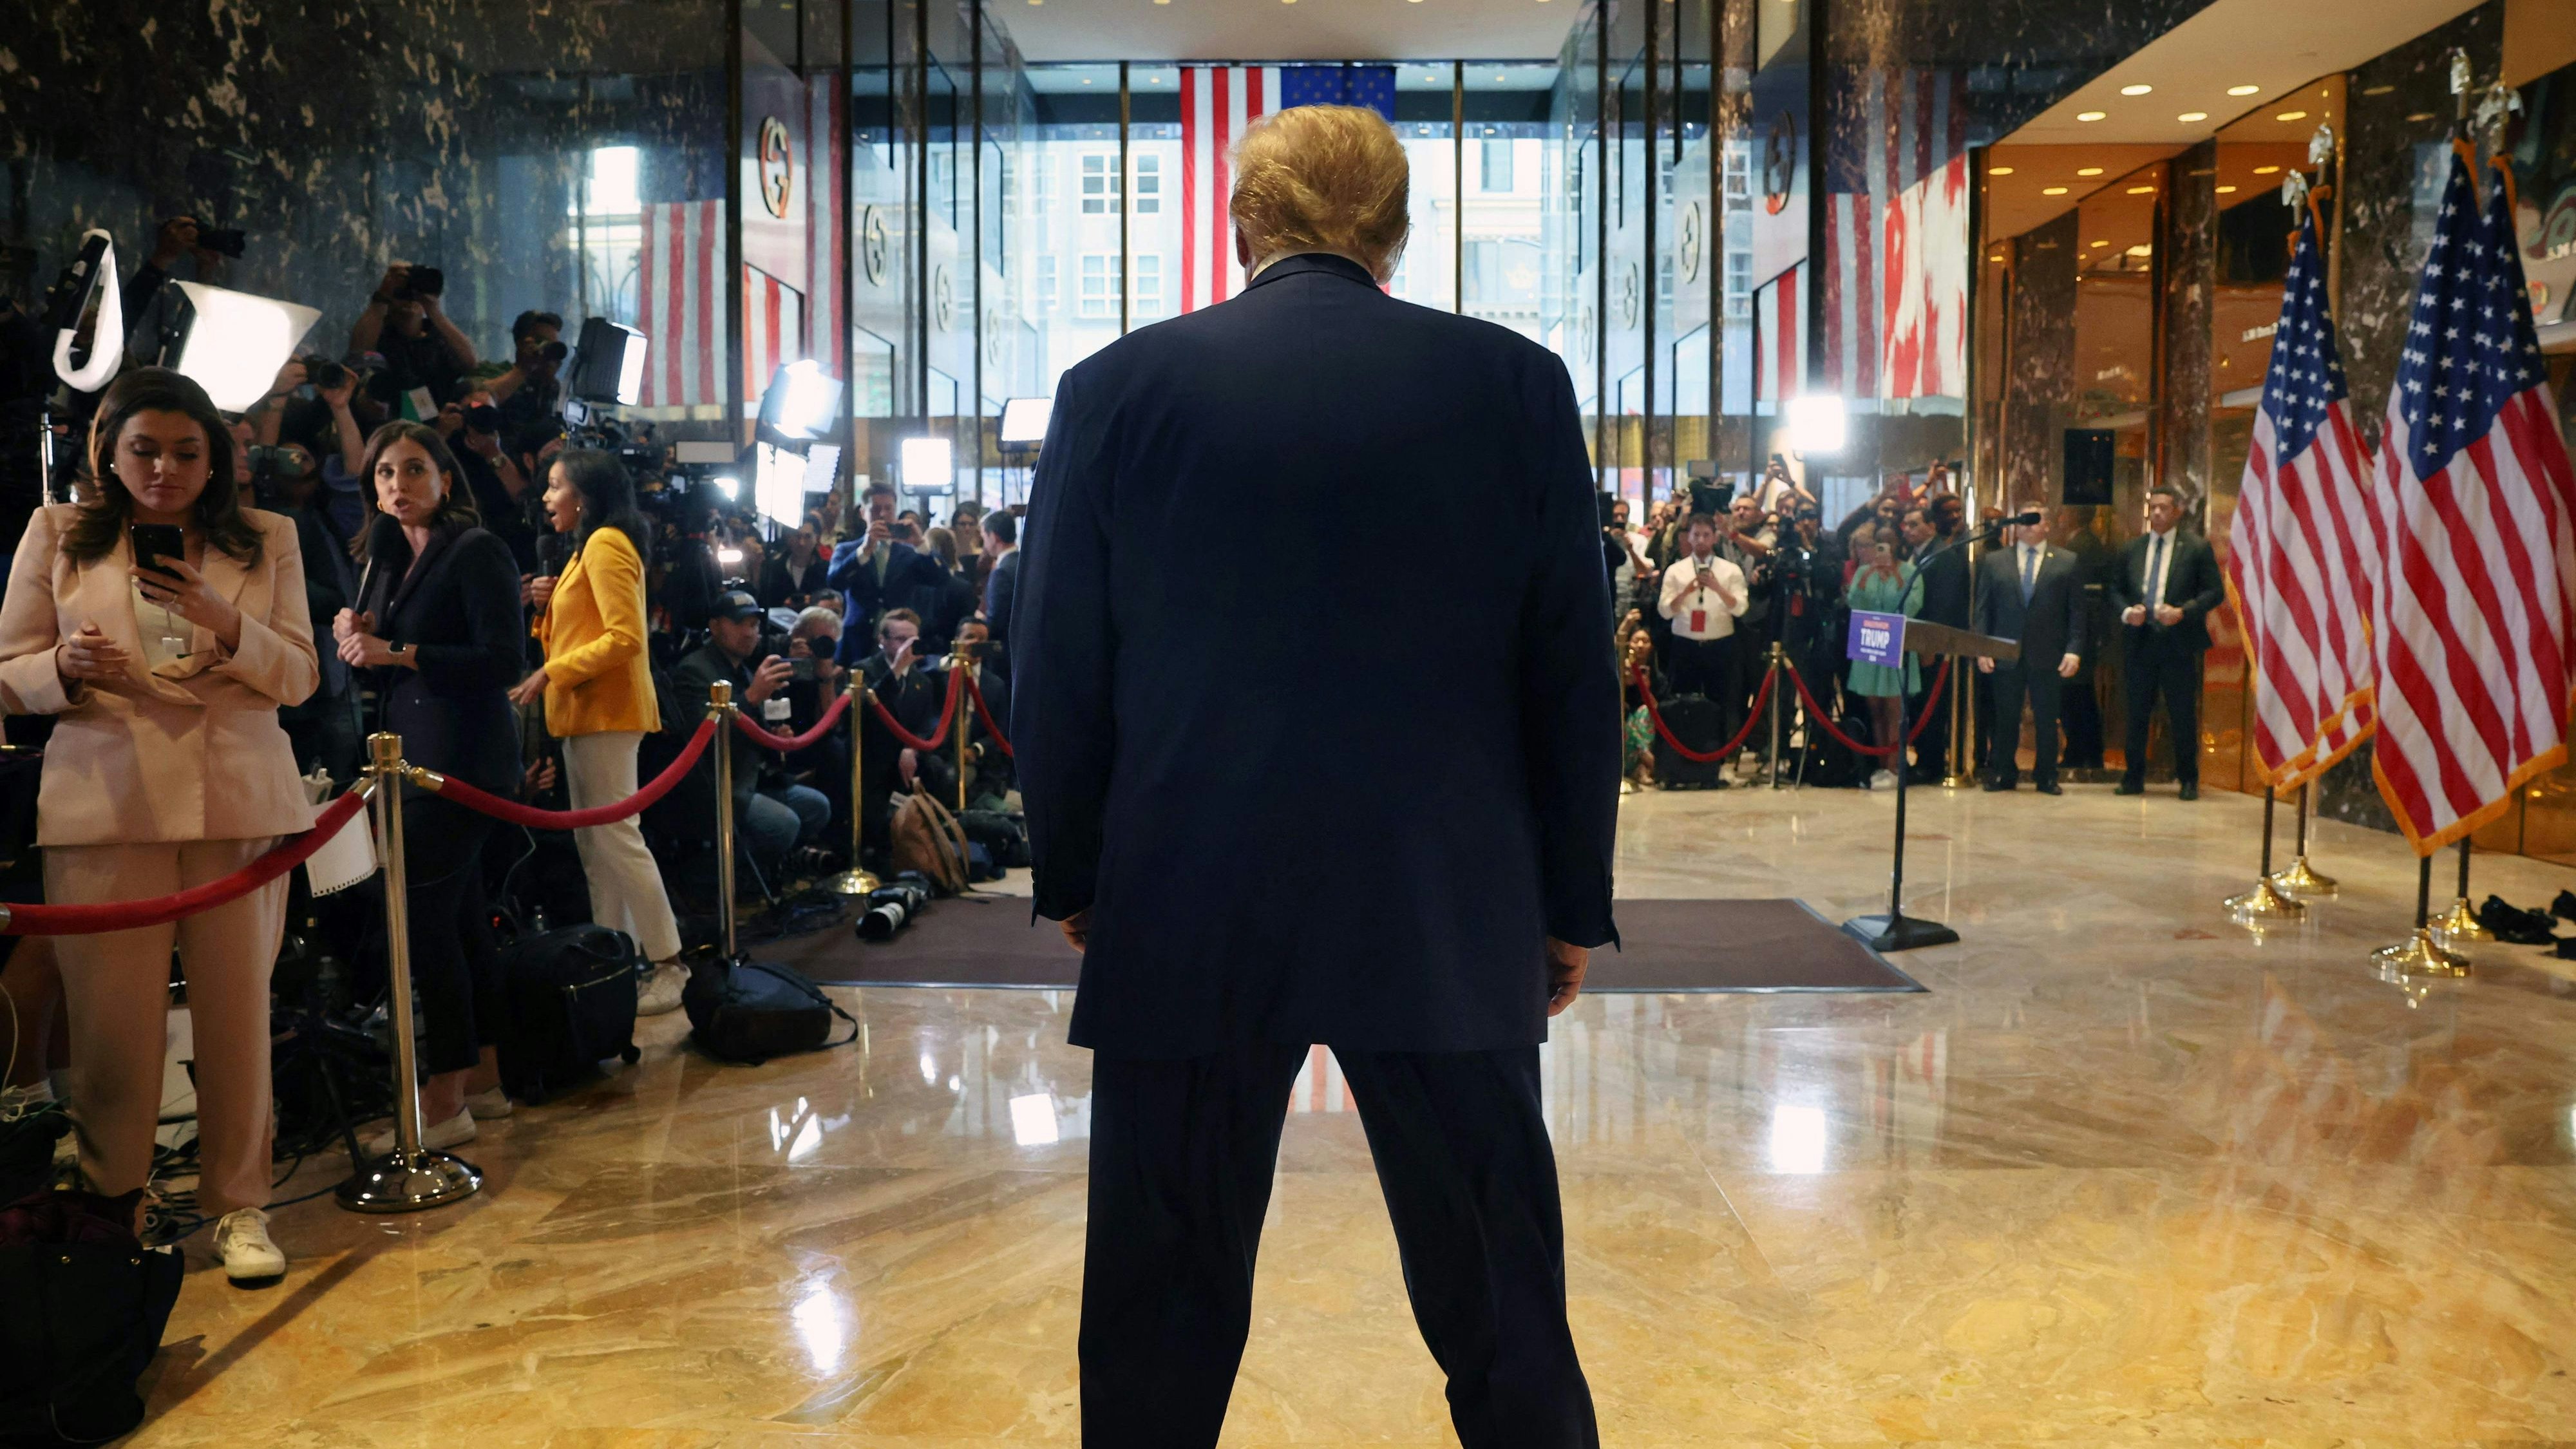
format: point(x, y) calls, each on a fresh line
point(1877, 638)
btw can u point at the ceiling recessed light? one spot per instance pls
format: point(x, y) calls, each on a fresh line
point(2421, 116)
point(2243, 90)
point(2101, 244)
point(2267, 170)
point(2142, 191)
point(2291, 116)
point(2378, 90)
point(1999, 171)
point(2186, 117)
point(2052, 191)
point(2135, 90)
point(2090, 115)
point(2088, 170)
point(1997, 257)
point(2226, 190)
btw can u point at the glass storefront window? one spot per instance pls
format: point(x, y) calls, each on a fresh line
point(1507, 164)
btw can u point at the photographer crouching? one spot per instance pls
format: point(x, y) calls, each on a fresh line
point(167, 770)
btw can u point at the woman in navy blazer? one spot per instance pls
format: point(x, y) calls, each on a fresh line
point(438, 623)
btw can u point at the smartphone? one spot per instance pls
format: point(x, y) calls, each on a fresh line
point(154, 542)
point(801, 670)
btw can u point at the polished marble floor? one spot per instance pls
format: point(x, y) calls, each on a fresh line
point(2123, 1174)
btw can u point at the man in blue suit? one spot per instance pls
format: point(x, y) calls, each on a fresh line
point(875, 574)
point(1266, 822)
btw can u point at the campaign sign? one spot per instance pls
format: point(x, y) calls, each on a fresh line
point(1877, 638)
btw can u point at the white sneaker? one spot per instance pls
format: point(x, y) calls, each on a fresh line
point(433, 1137)
point(488, 1105)
point(242, 1242)
point(659, 990)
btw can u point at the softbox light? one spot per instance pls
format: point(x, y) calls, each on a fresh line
point(1024, 421)
point(1818, 424)
point(801, 403)
point(232, 343)
point(608, 366)
point(929, 465)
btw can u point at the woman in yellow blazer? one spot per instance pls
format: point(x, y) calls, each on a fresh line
point(167, 770)
point(597, 685)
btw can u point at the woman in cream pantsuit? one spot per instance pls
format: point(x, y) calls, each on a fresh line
point(597, 684)
point(167, 770)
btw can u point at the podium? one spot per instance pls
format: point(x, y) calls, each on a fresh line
point(1897, 931)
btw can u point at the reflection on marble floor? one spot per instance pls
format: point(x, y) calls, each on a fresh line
point(2123, 1174)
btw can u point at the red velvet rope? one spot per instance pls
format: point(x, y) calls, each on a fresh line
point(451, 788)
point(1817, 713)
point(90, 920)
point(985, 712)
point(1769, 678)
point(793, 743)
point(905, 737)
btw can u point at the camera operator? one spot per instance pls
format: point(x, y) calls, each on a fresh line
point(166, 770)
point(1807, 574)
point(501, 492)
point(790, 577)
point(815, 679)
point(912, 694)
point(1777, 488)
point(530, 392)
point(179, 236)
point(1624, 549)
point(425, 355)
point(776, 816)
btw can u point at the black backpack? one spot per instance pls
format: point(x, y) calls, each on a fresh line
point(84, 1318)
point(572, 1006)
point(750, 1011)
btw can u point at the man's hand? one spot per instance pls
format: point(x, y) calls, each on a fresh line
point(2168, 615)
point(177, 237)
point(338, 397)
point(768, 679)
point(1565, 967)
point(2067, 666)
point(1077, 929)
point(1985, 666)
point(2134, 614)
point(396, 279)
point(908, 765)
point(290, 376)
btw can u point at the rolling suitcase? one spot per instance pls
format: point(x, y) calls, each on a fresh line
point(1700, 724)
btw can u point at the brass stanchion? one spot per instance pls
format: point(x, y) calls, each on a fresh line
point(856, 881)
point(2264, 906)
point(2418, 954)
point(2459, 925)
point(411, 1177)
point(720, 709)
point(1779, 656)
point(965, 708)
point(2301, 879)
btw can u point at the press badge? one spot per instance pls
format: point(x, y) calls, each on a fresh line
point(775, 707)
point(1699, 621)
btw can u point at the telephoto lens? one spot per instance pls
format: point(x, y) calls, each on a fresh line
point(893, 905)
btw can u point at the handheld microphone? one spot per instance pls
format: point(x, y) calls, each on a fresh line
point(382, 537)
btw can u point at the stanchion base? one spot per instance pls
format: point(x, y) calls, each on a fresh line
point(1957, 782)
point(2417, 955)
point(2302, 881)
point(1898, 932)
point(2263, 906)
point(428, 1180)
point(2460, 924)
point(852, 882)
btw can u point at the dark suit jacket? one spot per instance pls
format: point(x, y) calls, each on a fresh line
point(1945, 586)
point(704, 666)
point(460, 606)
point(2051, 626)
point(912, 581)
point(1282, 829)
point(2191, 585)
point(999, 591)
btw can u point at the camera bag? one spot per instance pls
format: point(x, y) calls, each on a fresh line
point(87, 1306)
point(572, 1006)
point(750, 1011)
point(926, 838)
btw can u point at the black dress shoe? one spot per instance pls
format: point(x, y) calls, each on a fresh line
point(1997, 787)
point(2190, 790)
point(2048, 787)
point(2513, 925)
point(2131, 787)
point(2565, 906)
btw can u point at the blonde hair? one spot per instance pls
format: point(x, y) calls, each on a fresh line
point(1322, 179)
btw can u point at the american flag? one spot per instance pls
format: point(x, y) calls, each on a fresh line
point(773, 330)
point(2478, 591)
point(1218, 102)
point(1896, 237)
point(2299, 548)
point(680, 306)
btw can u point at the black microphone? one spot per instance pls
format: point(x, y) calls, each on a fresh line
point(383, 537)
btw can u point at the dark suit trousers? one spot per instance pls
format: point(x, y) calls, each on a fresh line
point(2039, 684)
point(2158, 662)
point(455, 966)
point(1182, 1155)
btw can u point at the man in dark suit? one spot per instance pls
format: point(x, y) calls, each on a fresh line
point(876, 573)
point(1002, 585)
point(2166, 586)
point(1242, 881)
point(1932, 533)
point(2033, 593)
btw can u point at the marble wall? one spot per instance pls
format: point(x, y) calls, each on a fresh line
point(2186, 269)
point(2039, 380)
point(344, 136)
